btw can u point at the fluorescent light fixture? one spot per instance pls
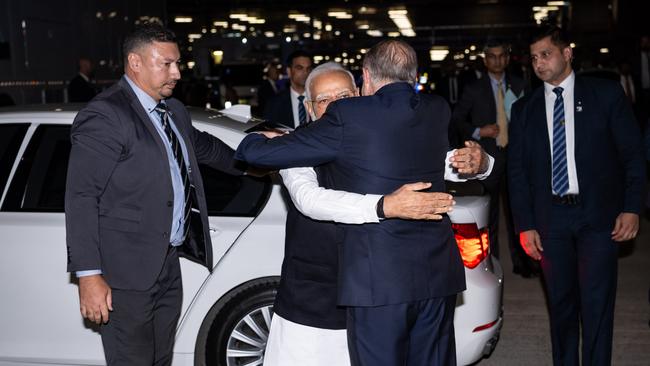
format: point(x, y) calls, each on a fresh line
point(363, 26)
point(306, 35)
point(318, 58)
point(394, 34)
point(289, 29)
point(317, 36)
point(194, 36)
point(558, 3)
point(183, 20)
point(374, 33)
point(318, 24)
point(213, 30)
point(238, 16)
point(269, 34)
point(604, 50)
point(337, 33)
point(337, 59)
point(220, 23)
point(367, 10)
point(438, 53)
point(339, 14)
point(394, 12)
point(407, 32)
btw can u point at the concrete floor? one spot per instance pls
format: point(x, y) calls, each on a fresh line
point(525, 336)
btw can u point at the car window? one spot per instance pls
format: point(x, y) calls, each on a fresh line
point(228, 195)
point(11, 137)
point(39, 182)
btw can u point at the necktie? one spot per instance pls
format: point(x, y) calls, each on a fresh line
point(560, 183)
point(162, 109)
point(302, 113)
point(502, 119)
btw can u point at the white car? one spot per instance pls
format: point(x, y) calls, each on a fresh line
point(225, 314)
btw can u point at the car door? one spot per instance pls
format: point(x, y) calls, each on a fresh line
point(39, 313)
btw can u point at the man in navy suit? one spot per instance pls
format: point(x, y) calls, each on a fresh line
point(577, 174)
point(398, 278)
point(287, 107)
point(134, 202)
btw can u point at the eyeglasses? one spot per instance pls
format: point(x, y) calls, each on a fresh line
point(324, 100)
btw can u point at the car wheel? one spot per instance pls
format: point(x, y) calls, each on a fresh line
point(236, 329)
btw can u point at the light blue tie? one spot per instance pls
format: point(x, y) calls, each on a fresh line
point(302, 113)
point(560, 182)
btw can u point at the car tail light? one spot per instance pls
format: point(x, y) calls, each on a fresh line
point(473, 243)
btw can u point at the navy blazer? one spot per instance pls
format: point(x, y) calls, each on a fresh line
point(608, 155)
point(374, 144)
point(119, 194)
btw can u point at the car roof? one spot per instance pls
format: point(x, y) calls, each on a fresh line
point(64, 113)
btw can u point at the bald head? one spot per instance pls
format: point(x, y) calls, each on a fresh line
point(390, 61)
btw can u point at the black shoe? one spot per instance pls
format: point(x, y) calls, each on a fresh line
point(524, 271)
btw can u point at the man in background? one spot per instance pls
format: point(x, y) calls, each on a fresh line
point(287, 107)
point(80, 89)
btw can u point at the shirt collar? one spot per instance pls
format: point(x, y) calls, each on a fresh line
point(495, 82)
point(145, 99)
point(294, 94)
point(566, 84)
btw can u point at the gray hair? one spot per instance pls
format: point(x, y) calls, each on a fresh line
point(390, 61)
point(323, 69)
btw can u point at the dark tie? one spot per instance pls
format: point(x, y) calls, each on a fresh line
point(302, 113)
point(162, 109)
point(560, 182)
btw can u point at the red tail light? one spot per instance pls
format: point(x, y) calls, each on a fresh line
point(473, 243)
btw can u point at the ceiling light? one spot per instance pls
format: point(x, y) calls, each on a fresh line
point(194, 36)
point(190, 64)
point(558, 3)
point(219, 23)
point(238, 16)
point(183, 20)
point(374, 33)
point(397, 12)
point(288, 39)
point(244, 40)
point(363, 26)
point(213, 30)
point(409, 32)
point(289, 29)
point(438, 53)
point(316, 36)
point(337, 33)
point(318, 24)
point(367, 10)
point(394, 34)
point(328, 27)
point(604, 50)
point(269, 34)
point(306, 35)
point(573, 45)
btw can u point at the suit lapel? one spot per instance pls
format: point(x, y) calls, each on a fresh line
point(142, 114)
point(489, 95)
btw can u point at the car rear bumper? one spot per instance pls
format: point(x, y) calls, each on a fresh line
point(480, 306)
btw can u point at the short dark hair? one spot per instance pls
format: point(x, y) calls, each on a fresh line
point(494, 42)
point(559, 36)
point(146, 34)
point(295, 54)
point(390, 61)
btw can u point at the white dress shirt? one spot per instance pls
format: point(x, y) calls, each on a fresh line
point(569, 124)
point(294, 107)
point(323, 204)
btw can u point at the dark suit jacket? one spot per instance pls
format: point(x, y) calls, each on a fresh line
point(308, 284)
point(477, 108)
point(265, 92)
point(374, 144)
point(278, 109)
point(608, 155)
point(119, 195)
point(79, 90)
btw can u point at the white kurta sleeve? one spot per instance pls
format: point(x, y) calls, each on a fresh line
point(453, 176)
point(323, 204)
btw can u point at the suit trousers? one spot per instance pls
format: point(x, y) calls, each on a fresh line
point(580, 266)
point(142, 325)
point(417, 333)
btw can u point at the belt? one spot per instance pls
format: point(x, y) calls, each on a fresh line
point(568, 199)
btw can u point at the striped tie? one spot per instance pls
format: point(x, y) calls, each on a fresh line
point(302, 113)
point(162, 109)
point(560, 182)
